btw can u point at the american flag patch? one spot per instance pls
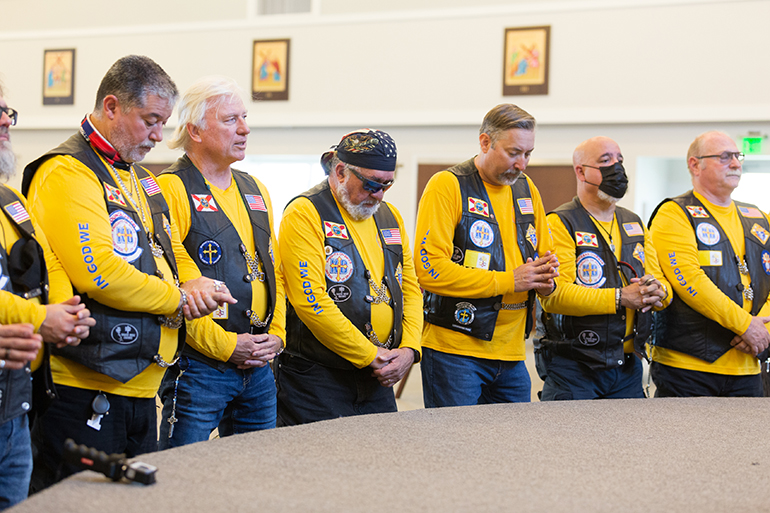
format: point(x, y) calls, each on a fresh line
point(525, 206)
point(17, 212)
point(150, 185)
point(255, 202)
point(633, 229)
point(750, 212)
point(391, 236)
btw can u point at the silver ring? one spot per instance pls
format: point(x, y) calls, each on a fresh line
point(2, 364)
point(218, 285)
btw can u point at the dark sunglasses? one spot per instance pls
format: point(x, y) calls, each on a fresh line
point(14, 115)
point(372, 186)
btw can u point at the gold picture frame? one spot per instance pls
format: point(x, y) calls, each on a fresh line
point(526, 60)
point(270, 70)
point(59, 77)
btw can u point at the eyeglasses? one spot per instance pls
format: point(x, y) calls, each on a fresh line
point(725, 157)
point(372, 186)
point(14, 115)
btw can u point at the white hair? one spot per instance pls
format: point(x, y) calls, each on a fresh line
point(201, 96)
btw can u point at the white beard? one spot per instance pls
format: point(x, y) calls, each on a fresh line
point(357, 212)
point(606, 197)
point(7, 161)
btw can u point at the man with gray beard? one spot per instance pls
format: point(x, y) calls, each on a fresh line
point(30, 279)
point(609, 280)
point(355, 315)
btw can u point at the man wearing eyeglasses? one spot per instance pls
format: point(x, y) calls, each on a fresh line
point(716, 254)
point(484, 250)
point(355, 315)
point(36, 305)
point(609, 280)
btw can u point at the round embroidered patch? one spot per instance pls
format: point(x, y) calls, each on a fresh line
point(339, 293)
point(339, 267)
point(481, 234)
point(590, 270)
point(707, 233)
point(464, 313)
point(209, 252)
point(588, 338)
point(124, 333)
point(125, 238)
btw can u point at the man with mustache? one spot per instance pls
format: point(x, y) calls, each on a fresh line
point(716, 254)
point(609, 280)
point(36, 305)
point(111, 229)
point(353, 325)
point(225, 363)
point(484, 250)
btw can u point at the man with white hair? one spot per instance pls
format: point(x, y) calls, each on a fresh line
point(716, 254)
point(353, 325)
point(30, 279)
point(609, 280)
point(225, 222)
point(109, 225)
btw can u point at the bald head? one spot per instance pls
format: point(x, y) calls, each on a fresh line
point(712, 176)
point(704, 143)
point(596, 149)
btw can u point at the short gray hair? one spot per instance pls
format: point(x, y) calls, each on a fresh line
point(504, 117)
point(132, 79)
point(197, 99)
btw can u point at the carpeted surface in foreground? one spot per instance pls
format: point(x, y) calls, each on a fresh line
point(673, 455)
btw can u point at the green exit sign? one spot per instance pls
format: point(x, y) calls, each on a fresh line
point(752, 145)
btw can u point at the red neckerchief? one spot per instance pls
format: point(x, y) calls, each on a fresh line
point(101, 145)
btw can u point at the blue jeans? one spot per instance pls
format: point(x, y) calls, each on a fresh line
point(454, 380)
point(235, 401)
point(15, 461)
point(568, 380)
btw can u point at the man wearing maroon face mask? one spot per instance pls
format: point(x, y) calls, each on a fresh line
point(610, 279)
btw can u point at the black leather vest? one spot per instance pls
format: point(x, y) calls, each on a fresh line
point(122, 344)
point(681, 328)
point(22, 272)
point(597, 340)
point(478, 231)
point(214, 244)
point(346, 280)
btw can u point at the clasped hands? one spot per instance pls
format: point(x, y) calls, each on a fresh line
point(204, 296)
point(391, 365)
point(538, 275)
point(643, 294)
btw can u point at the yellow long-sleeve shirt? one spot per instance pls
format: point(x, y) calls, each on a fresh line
point(677, 249)
point(68, 201)
point(578, 300)
point(205, 335)
point(440, 212)
point(302, 251)
point(15, 309)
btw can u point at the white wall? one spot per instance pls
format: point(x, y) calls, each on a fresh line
point(652, 74)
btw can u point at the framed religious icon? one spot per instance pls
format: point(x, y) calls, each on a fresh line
point(59, 77)
point(270, 70)
point(525, 60)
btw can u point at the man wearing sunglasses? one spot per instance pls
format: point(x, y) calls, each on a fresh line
point(355, 315)
point(484, 250)
point(609, 280)
point(716, 254)
point(32, 282)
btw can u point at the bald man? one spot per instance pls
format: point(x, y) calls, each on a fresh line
point(609, 280)
point(716, 253)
